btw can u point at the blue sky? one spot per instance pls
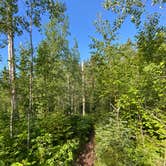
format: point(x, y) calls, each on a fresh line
point(82, 14)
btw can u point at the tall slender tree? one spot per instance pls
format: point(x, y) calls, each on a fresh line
point(9, 26)
point(83, 89)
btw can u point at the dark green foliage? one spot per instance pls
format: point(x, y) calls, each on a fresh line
point(82, 127)
point(56, 140)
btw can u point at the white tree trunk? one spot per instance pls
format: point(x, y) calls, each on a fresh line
point(11, 66)
point(83, 89)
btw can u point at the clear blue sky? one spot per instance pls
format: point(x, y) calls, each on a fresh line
point(82, 14)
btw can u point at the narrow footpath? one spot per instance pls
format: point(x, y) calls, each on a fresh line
point(87, 157)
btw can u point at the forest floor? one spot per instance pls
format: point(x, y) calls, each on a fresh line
point(87, 156)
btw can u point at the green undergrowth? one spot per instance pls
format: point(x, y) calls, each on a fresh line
point(117, 143)
point(55, 140)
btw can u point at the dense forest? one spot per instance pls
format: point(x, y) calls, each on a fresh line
point(55, 109)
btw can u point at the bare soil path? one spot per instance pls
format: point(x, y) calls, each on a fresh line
point(87, 156)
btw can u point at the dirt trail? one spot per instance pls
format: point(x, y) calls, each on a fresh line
point(87, 157)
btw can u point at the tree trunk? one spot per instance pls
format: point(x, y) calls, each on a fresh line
point(30, 110)
point(69, 95)
point(83, 90)
point(11, 64)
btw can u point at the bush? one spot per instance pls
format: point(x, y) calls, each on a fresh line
point(113, 144)
point(117, 145)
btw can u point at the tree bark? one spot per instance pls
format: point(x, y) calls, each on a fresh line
point(83, 89)
point(11, 65)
